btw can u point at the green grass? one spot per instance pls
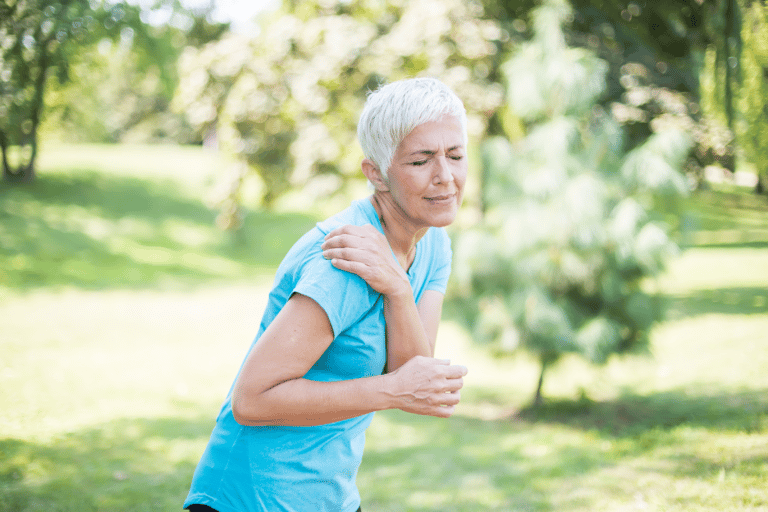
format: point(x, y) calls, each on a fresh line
point(78, 225)
point(125, 315)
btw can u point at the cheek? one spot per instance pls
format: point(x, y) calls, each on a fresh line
point(416, 184)
point(460, 177)
point(403, 186)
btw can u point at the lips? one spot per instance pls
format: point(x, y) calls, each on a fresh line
point(446, 198)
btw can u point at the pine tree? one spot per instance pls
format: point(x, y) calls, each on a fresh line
point(567, 237)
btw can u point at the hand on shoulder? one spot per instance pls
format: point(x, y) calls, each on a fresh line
point(364, 251)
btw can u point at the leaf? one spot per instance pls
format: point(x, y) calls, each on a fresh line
point(599, 338)
point(656, 165)
point(546, 324)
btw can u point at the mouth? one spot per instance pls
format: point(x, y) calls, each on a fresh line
point(441, 199)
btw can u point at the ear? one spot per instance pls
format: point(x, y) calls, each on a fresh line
point(379, 182)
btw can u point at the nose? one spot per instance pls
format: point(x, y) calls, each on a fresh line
point(443, 172)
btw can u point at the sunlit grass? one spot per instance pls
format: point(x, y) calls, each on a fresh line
point(81, 226)
point(125, 315)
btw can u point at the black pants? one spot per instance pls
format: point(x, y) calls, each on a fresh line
point(206, 508)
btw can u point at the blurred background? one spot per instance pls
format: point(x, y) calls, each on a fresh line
point(610, 282)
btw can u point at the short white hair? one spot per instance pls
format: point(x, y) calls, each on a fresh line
point(393, 110)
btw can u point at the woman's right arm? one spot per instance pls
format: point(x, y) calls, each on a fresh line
point(271, 390)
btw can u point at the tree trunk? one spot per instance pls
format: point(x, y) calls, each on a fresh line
point(24, 172)
point(38, 102)
point(4, 148)
point(537, 398)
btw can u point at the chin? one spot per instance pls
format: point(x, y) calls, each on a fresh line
point(443, 221)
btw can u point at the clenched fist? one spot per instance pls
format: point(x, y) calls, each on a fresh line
point(427, 386)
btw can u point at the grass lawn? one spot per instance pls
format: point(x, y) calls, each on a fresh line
point(125, 315)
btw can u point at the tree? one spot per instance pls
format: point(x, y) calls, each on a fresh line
point(285, 103)
point(41, 39)
point(557, 263)
point(124, 85)
point(752, 130)
point(657, 54)
point(36, 37)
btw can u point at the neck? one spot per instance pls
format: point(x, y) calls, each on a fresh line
point(400, 232)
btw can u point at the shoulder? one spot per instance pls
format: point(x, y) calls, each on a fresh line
point(344, 296)
point(307, 248)
point(359, 213)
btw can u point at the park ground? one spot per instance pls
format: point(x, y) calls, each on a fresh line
point(125, 313)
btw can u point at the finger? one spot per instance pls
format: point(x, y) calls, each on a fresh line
point(339, 231)
point(349, 229)
point(355, 267)
point(456, 371)
point(350, 254)
point(341, 240)
point(454, 385)
point(450, 399)
point(444, 412)
point(343, 253)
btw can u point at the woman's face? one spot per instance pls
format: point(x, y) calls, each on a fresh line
point(427, 175)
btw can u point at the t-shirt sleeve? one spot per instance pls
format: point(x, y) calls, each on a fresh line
point(344, 296)
point(441, 262)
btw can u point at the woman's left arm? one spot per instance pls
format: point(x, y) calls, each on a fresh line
point(411, 329)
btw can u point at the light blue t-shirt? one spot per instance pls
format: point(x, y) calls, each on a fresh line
point(296, 469)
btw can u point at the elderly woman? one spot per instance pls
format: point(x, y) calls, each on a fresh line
point(351, 322)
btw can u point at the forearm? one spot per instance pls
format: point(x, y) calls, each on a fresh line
point(302, 402)
point(406, 336)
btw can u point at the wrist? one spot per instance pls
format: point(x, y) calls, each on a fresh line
point(401, 292)
point(388, 390)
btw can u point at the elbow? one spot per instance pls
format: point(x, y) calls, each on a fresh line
point(244, 412)
point(239, 410)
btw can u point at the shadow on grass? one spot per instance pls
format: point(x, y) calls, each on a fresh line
point(545, 459)
point(634, 415)
point(725, 218)
point(414, 463)
point(426, 464)
point(139, 465)
point(733, 245)
point(729, 301)
point(93, 230)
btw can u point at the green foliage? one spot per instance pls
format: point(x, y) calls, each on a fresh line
point(39, 41)
point(286, 102)
point(752, 128)
point(124, 73)
point(666, 38)
point(35, 38)
point(558, 260)
point(670, 63)
point(125, 84)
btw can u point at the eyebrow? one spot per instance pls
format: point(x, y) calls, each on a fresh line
point(430, 152)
